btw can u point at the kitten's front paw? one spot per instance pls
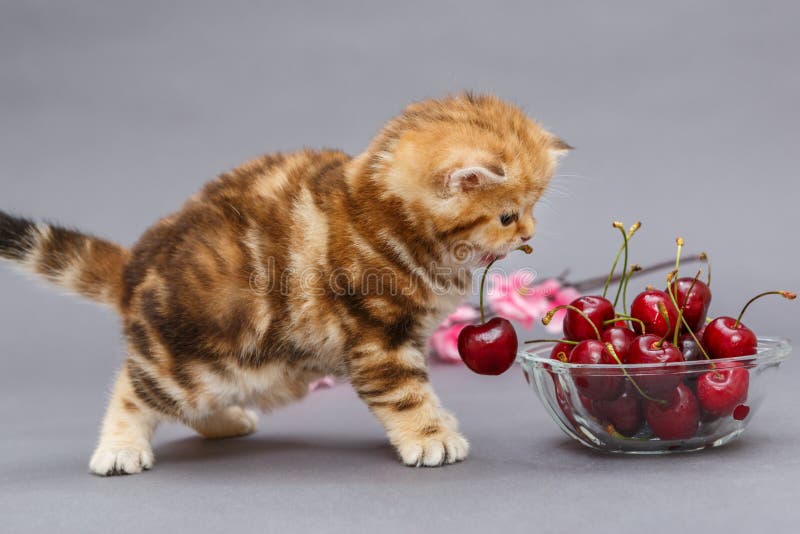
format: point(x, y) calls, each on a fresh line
point(121, 460)
point(443, 447)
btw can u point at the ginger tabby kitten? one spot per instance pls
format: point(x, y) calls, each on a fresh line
point(298, 265)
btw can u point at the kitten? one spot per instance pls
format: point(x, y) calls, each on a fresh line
point(298, 265)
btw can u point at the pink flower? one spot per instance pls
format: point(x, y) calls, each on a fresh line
point(516, 298)
point(508, 297)
point(463, 314)
point(443, 343)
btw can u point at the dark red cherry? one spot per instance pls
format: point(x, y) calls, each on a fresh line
point(650, 348)
point(565, 404)
point(624, 413)
point(489, 348)
point(740, 412)
point(621, 339)
point(721, 390)
point(563, 401)
point(596, 384)
point(597, 309)
point(678, 418)
point(587, 403)
point(645, 307)
point(695, 303)
point(561, 351)
point(726, 337)
point(723, 338)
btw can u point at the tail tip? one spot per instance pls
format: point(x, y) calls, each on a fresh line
point(15, 236)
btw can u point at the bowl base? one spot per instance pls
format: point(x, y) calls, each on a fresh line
point(654, 447)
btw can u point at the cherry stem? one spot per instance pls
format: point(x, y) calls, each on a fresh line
point(663, 311)
point(567, 341)
point(634, 269)
point(626, 318)
point(592, 283)
point(671, 277)
point(683, 307)
point(785, 294)
point(624, 263)
point(625, 236)
point(688, 328)
point(524, 248)
point(678, 241)
point(483, 284)
point(704, 257)
point(616, 224)
point(610, 349)
point(611, 431)
point(549, 317)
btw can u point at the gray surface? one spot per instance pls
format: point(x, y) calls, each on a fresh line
point(684, 114)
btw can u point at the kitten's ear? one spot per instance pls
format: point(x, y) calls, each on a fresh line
point(468, 178)
point(559, 147)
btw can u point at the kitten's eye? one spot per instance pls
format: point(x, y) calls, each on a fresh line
point(508, 218)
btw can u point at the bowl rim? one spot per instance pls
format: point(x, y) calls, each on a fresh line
point(770, 350)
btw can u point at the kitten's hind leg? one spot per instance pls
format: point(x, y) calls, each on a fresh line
point(124, 445)
point(229, 422)
point(281, 386)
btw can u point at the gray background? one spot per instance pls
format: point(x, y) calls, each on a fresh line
point(684, 115)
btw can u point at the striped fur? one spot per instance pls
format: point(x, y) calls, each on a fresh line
point(302, 264)
point(84, 264)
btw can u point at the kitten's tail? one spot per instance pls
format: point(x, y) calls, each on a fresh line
point(87, 265)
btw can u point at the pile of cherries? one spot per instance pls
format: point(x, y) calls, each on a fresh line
point(663, 327)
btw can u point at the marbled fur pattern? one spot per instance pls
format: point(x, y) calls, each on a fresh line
point(297, 265)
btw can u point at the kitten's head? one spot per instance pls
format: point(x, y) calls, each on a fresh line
point(473, 167)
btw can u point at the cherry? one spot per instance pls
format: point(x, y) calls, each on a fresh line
point(561, 351)
point(726, 337)
point(489, 348)
point(741, 412)
point(721, 390)
point(596, 311)
point(647, 307)
point(624, 413)
point(594, 384)
point(620, 338)
point(563, 401)
point(723, 338)
point(678, 418)
point(566, 407)
point(650, 348)
point(694, 297)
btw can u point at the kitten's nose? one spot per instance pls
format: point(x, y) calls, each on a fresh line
point(525, 238)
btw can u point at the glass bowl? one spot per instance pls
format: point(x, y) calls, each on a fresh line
point(590, 422)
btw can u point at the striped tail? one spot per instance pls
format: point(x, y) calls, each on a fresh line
point(81, 263)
